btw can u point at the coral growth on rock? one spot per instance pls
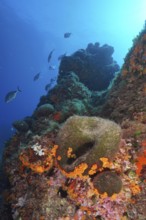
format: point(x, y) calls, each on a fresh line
point(38, 166)
point(128, 95)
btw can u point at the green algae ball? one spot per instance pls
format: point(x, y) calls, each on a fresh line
point(44, 110)
point(89, 138)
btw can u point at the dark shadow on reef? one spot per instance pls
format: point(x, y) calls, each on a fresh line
point(94, 66)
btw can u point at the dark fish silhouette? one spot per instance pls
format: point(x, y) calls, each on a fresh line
point(11, 95)
point(36, 77)
point(50, 55)
point(67, 35)
point(53, 79)
point(48, 86)
point(61, 56)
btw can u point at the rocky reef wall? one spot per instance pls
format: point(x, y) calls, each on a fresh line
point(128, 95)
point(66, 161)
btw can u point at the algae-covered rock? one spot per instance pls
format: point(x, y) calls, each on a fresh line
point(44, 110)
point(74, 107)
point(128, 94)
point(44, 125)
point(21, 126)
point(69, 87)
point(52, 126)
point(107, 182)
point(87, 139)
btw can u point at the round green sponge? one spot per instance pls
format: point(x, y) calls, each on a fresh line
point(84, 139)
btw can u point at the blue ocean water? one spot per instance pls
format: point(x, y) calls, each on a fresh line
point(30, 29)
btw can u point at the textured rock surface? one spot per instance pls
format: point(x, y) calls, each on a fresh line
point(128, 95)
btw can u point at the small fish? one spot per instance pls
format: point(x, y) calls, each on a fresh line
point(11, 95)
point(52, 67)
point(61, 56)
point(67, 35)
point(53, 79)
point(48, 86)
point(36, 77)
point(50, 55)
point(12, 129)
